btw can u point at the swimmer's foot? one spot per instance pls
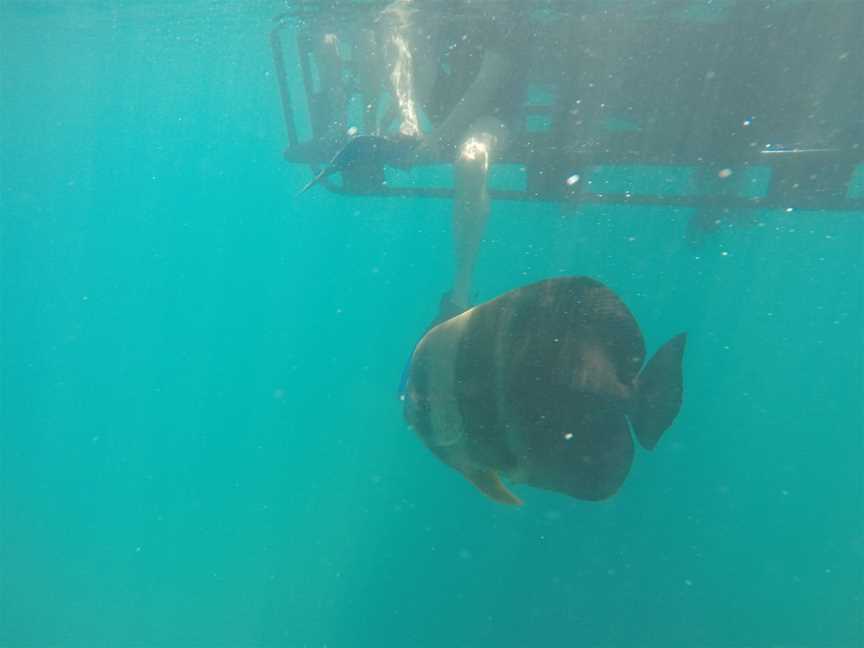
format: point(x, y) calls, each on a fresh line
point(447, 309)
point(371, 151)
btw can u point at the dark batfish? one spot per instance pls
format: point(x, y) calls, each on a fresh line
point(541, 386)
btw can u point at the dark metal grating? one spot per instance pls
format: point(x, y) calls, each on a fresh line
point(811, 175)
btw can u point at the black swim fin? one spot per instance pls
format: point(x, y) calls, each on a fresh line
point(374, 150)
point(659, 390)
point(326, 171)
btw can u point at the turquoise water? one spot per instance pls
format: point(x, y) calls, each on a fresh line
point(201, 444)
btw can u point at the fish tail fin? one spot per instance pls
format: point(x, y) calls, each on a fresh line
point(659, 389)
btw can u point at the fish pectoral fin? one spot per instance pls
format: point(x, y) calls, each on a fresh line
point(490, 485)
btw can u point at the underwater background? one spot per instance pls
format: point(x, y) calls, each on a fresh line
point(200, 440)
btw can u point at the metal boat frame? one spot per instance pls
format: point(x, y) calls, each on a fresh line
point(804, 177)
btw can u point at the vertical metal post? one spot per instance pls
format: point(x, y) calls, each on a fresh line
point(282, 81)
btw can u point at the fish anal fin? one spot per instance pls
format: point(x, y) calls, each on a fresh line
point(489, 483)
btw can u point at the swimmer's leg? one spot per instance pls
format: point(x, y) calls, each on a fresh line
point(369, 75)
point(410, 61)
point(471, 205)
point(335, 108)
